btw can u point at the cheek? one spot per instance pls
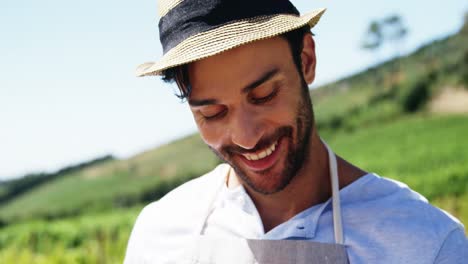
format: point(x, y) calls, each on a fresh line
point(289, 115)
point(284, 113)
point(208, 133)
point(212, 135)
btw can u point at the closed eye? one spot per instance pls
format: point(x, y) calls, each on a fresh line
point(214, 116)
point(264, 99)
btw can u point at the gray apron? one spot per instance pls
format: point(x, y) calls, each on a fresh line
point(210, 250)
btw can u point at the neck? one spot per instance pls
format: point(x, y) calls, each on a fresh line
point(310, 186)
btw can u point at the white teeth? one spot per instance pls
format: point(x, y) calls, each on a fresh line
point(262, 154)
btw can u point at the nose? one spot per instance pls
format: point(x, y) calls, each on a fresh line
point(246, 129)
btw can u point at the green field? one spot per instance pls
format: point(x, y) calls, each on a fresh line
point(95, 238)
point(428, 153)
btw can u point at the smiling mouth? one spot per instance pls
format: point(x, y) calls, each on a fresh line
point(261, 153)
point(262, 159)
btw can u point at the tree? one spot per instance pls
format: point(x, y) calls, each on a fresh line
point(395, 30)
point(390, 29)
point(373, 38)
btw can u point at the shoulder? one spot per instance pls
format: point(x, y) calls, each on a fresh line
point(390, 217)
point(454, 250)
point(186, 198)
point(400, 199)
point(164, 225)
point(389, 212)
point(395, 201)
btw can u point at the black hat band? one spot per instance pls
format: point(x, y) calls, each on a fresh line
point(191, 17)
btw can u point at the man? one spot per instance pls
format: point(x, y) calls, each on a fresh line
point(244, 67)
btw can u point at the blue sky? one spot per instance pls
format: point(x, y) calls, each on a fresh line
point(67, 86)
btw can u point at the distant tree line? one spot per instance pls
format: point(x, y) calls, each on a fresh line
point(11, 188)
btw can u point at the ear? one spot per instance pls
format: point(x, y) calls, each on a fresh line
point(308, 58)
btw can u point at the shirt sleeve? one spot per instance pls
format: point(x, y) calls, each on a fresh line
point(454, 250)
point(138, 238)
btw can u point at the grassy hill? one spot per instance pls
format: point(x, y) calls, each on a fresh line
point(379, 119)
point(395, 88)
point(114, 183)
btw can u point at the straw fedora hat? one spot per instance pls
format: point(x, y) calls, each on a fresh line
point(191, 30)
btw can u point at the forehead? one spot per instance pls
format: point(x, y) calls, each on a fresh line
point(238, 67)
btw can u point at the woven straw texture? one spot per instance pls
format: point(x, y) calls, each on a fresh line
point(165, 6)
point(226, 37)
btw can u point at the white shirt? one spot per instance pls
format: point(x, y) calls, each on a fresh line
point(383, 221)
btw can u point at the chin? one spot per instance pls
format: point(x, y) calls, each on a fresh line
point(268, 181)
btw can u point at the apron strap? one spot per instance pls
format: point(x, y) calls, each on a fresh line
point(337, 222)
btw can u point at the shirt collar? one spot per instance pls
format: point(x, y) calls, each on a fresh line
point(301, 226)
point(304, 224)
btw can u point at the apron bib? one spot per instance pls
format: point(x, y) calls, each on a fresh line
point(211, 250)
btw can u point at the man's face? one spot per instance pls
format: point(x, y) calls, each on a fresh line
point(253, 110)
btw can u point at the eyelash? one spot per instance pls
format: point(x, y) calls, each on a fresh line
point(254, 100)
point(265, 98)
point(216, 116)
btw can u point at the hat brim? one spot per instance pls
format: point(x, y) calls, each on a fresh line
point(226, 37)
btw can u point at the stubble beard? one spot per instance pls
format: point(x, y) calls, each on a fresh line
point(297, 154)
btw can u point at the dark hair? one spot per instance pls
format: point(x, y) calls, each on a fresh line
point(179, 74)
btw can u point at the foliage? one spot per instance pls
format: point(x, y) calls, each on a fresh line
point(382, 94)
point(464, 70)
point(374, 37)
point(427, 152)
point(388, 29)
point(97, 238)
point(417, 96)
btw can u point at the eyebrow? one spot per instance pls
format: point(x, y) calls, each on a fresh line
point(194, 102)
point(264, 78)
